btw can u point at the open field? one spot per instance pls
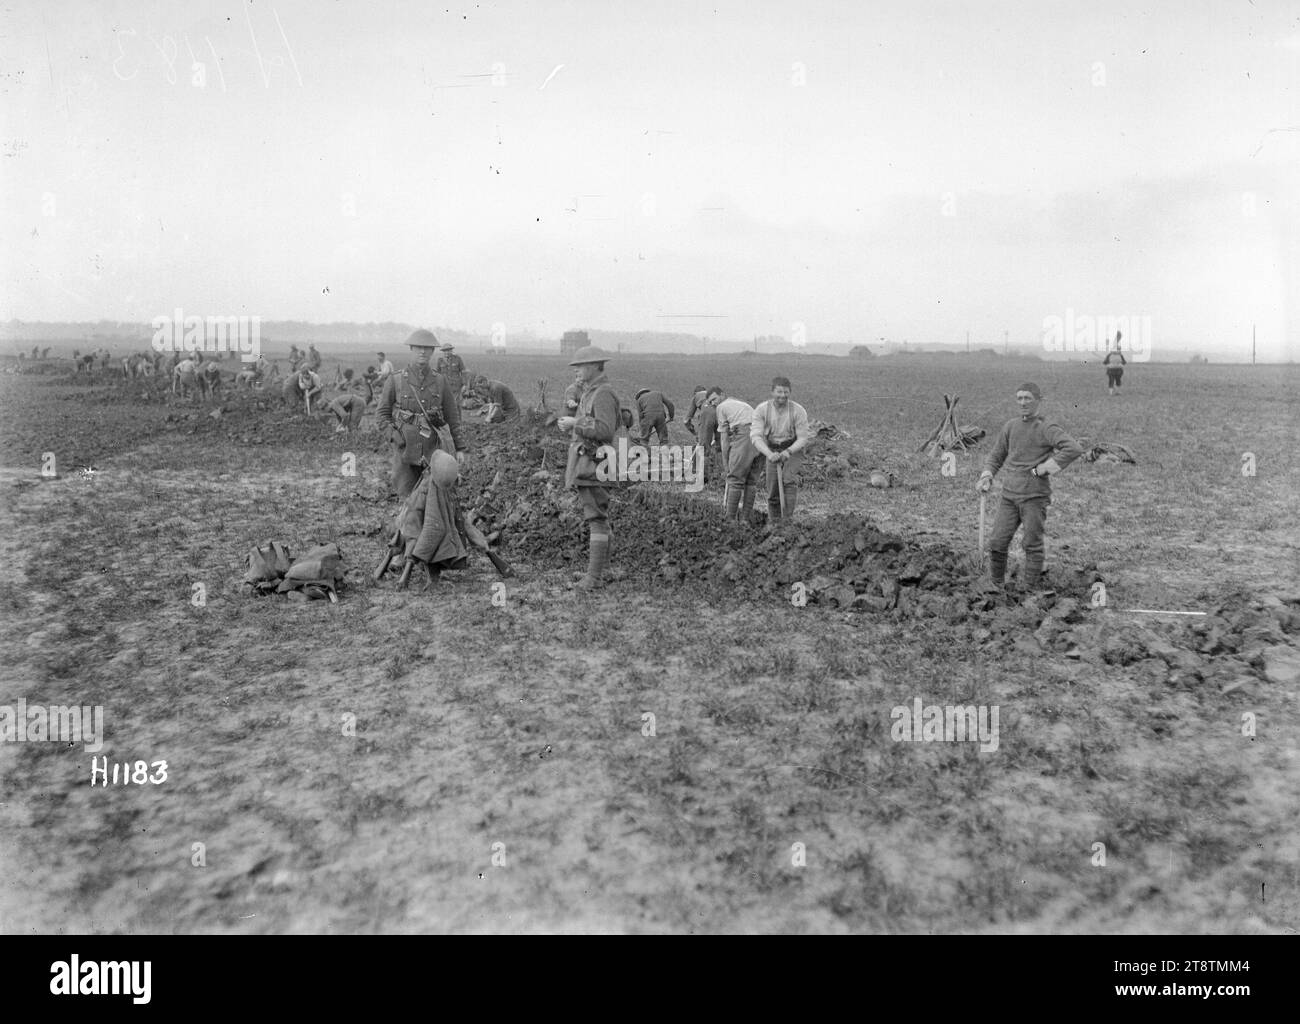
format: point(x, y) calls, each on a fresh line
point(523, 723)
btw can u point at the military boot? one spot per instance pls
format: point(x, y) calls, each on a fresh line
point(733, 503)
point(747, 504)
point(998, 568)
point(598, 555)
point(791, 499)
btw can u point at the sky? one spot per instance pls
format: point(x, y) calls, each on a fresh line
point(894, 170)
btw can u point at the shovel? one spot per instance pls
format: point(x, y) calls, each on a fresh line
point(780, 485)
point(979, 554)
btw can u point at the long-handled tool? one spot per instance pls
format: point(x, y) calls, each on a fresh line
point(780, 485)
point(983, 503)
point(726, 490)
point(382, 568)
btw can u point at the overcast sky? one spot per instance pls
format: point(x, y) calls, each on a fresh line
point(899, 169)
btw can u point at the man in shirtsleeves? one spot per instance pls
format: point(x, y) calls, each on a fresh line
point(594, 424)
point(1032, 447)
point(742, 463)
point(779, 430)
point(414, 405)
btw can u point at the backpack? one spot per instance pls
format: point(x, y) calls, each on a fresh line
point(269, 561)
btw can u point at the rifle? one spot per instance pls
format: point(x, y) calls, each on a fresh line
point(476, 539)
point(395, 541)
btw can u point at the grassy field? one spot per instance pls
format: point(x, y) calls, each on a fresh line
point(445, 762)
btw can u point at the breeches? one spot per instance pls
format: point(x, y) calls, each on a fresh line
point(1012, 512)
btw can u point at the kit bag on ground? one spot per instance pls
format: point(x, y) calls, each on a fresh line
point(267, 563)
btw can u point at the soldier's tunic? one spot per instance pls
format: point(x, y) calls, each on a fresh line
point(350, 408)
point(699, 402)
point(653, 413)
point(571, 396)
point(596, 422)
point(416, 403)
point(504, 399)
point(452, 367)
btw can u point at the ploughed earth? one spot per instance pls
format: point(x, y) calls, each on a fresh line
point(709, 743)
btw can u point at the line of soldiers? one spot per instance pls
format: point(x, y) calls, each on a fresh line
point(770, 437)
point(764, 442)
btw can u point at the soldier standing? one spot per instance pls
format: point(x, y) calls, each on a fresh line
point(414, 405)
point(1032, 447)
point(593, 425)
point(313, 358)
point(452, 367)
point(780, 431)
point(654, 413)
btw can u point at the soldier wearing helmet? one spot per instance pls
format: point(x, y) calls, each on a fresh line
point(593, 424)
point(414, 405)
point(452, 367)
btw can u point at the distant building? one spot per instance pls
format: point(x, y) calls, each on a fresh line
point(572, 341)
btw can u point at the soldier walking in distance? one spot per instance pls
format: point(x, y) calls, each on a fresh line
point(414, 405)
point(1032, 447)
point(780, 432)
point(654, 413)
point(594, 424)
point(313, 359)
point(1114, 363)
point(743, 465)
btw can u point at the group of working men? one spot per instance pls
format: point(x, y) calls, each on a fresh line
point(760, 445)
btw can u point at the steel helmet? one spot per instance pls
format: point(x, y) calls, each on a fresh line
point(590, 354)
point(422, 339)
point(443, 468)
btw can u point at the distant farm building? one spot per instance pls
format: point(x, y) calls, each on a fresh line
point(572, 341)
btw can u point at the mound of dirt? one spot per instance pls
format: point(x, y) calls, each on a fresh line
point(515, 487)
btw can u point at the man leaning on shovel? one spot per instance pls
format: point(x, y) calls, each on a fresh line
point(779, 430)
point(1032, 447)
